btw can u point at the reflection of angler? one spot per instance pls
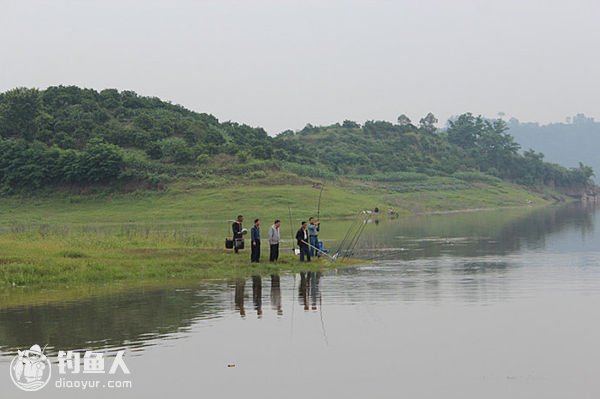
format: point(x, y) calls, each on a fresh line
point(309, 287)
point(257, 294)
point(276, 294)
point(303, 290)
point(240, 286)
point(314, 288)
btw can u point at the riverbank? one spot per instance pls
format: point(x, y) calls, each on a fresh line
point(192, 202)
point(177, 235)
point(66, 276)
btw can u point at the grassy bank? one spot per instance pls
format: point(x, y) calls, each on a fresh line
point(191, 202)
point(177, 235)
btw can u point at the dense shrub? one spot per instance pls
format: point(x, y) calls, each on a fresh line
point(81, 136)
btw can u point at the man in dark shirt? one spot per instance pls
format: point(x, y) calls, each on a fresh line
point(302, 239)
point(255, 237)
point(238, 236)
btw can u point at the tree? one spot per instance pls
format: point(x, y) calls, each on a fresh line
point(347, 124)
point(175, 149)
point(144, 121)
point(69, 166)
point(427, 123)
point(465, 130)
point(101, 162)
point(496, 148)
point(81, 136)
point(404, 121)
point(19, 109)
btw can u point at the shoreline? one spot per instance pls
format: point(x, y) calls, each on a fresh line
point(158, 238)
point(31, 295)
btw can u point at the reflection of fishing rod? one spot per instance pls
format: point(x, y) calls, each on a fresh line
point(322, 321)
point(293, 307)
point(387, 255)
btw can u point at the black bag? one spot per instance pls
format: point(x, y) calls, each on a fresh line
point(228, 243)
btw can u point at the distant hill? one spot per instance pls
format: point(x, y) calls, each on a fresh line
point(577, 140)
point(74, 137)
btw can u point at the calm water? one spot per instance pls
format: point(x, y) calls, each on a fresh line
point(477, 305)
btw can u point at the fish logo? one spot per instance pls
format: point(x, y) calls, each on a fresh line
point(30, 369)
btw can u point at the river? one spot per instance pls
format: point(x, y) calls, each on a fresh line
point(494, 304)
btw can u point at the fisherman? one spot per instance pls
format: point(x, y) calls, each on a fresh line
point(238, 234)
point(313, 235)
point(274, 238)
point(255, 237)
point(302, 239)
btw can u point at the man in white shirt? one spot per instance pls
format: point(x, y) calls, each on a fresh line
point(274, 238)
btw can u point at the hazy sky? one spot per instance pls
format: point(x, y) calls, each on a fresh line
point(281, 64)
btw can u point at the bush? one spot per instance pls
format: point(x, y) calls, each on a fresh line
point(175, 149)
point(258, 174)
point(394, 177)
point(101, 161)
point(476, 176)
point(309, 171)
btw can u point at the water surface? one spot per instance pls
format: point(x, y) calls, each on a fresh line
point(498, 304)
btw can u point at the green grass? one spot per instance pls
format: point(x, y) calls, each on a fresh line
point(177, 235)
point(187, 202)
point(49, 263)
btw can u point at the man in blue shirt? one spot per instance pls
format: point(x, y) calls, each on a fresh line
point(313, 233)
point(255, 237)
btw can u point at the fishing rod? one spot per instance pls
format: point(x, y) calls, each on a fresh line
point(360, 232)
point(319, 250)
point(352, 234)
point(348, 232)
point(319, 203)
point(355, 239)
point(292, 231)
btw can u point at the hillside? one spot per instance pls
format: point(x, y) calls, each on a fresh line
point(576, 140)
point(68, 137)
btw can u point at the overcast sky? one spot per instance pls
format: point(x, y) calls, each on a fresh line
point(281, 64)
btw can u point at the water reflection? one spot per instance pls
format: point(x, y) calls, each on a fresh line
point(122, 320)
point(240, 286)
point(308, 291)
point(474, 234)
point(467, 258)
point(276, 294)
point(257, 295)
